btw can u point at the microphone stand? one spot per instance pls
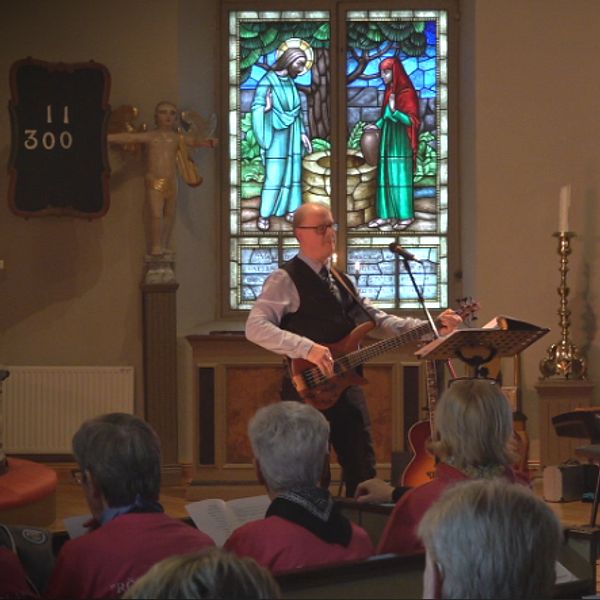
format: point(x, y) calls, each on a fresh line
point(428, 316)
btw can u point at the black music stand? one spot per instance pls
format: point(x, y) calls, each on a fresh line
point(506, 337)
point(583, 423)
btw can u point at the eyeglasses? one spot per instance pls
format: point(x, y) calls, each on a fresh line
point(78, 475)
point(320, 229)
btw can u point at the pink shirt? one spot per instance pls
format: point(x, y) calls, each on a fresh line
point(105, 562)
point(400, 534)
point(281, 545)
point(13, 582)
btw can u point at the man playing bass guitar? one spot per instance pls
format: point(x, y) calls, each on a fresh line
point(303, 311)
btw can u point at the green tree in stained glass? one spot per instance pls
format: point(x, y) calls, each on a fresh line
point(368, 41)
point(426, 167)
point(258, 39)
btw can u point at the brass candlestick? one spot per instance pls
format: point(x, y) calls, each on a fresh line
point(563, 359)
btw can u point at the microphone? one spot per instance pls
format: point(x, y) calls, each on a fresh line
point(398, 249)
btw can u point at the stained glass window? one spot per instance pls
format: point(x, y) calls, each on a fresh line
point(281, 145)
point(397, 187)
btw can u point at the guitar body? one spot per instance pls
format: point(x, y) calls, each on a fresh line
point(421, 468)
point(325, 394)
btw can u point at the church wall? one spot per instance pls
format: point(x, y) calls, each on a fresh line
point(69, 293)
point(529, 82)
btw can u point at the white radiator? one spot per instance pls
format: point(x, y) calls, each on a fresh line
point(44, 406)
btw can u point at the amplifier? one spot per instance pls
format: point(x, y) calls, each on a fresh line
point(564, 483)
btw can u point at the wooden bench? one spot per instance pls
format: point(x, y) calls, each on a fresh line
point(383, 576)
point(371, 517)
point(394, 576)
point(388, 575)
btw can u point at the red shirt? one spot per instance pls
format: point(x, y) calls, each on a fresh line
point(281, 545)
point(400, 534)
point(13, 581)
point(105, 562)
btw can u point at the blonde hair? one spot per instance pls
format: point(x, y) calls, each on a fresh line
point(492, 539)
point(474, 425)
point(214, 573)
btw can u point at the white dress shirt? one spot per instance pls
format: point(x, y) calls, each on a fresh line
point(280, 297)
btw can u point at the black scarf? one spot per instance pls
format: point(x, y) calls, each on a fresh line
point(313, 509)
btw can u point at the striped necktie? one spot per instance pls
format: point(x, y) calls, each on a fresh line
point(326, 277)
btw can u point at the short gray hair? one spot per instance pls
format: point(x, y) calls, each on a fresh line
point(492, 539)
point(122, 452)
point(214, 573)
point(290, 441)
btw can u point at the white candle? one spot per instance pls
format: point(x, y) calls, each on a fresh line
point(357, 267)
point(334, 258)
point(563, 208)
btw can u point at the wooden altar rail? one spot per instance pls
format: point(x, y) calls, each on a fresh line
point(233, 378)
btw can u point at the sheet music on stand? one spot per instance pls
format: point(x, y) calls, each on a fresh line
point(502, 336)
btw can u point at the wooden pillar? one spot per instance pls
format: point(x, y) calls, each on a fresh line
point(160, 371)
point(557, 396)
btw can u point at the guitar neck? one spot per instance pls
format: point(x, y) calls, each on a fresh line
point(362, 355)
point(431, 380)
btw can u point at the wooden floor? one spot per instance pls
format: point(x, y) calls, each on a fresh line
point(70, 502)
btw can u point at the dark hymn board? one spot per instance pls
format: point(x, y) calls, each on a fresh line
point(58, 163)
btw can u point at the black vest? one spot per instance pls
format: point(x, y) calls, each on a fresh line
point(320, 316)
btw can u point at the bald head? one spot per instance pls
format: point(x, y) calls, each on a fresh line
point(315, 244)
point(309, 209)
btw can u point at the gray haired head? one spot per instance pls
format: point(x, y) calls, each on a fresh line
point(290, 442)
point(474, 424)
point(491, 539)
point(122, 452)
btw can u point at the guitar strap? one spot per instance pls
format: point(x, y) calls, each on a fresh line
point(352, 293)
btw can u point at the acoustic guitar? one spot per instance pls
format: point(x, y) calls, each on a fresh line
point(421, 468)
point(322, 391)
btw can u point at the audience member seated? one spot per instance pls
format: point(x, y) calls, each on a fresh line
point(13, 579)
point(213, 573)
point(474, 428)
point(489, 539)
point(119, 461)
point(303, 527)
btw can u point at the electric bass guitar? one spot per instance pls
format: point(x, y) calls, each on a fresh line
point(322, 391)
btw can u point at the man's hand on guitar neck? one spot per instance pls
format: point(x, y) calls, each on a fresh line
point(449, 321)
point(322, 358)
